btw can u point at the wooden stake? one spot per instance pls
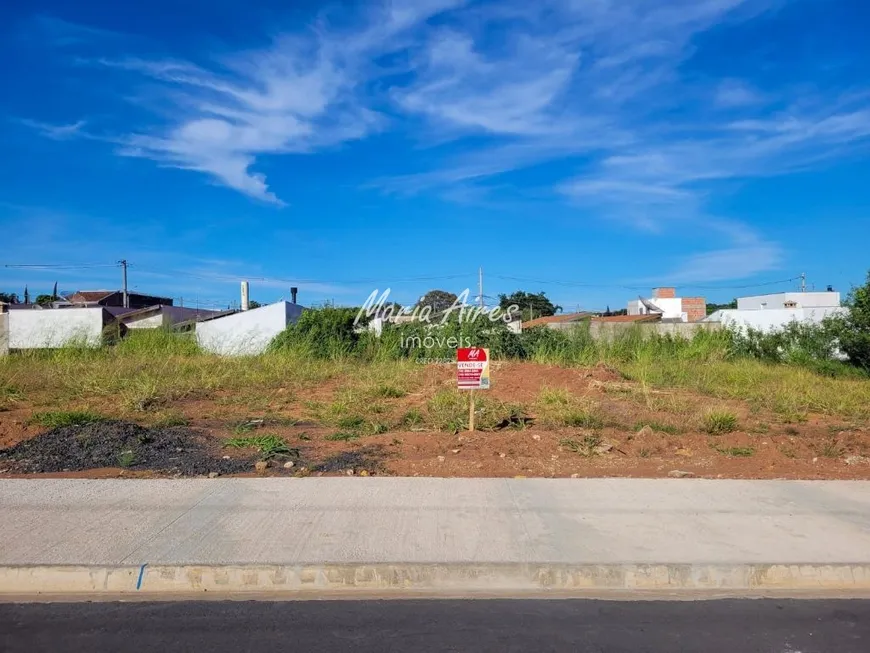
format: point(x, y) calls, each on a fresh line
point(471, 410)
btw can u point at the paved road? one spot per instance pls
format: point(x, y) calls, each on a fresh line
point(422, 520)
point(731, 626)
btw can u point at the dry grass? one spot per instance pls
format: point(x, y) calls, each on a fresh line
point(143, 376)
point(791, 392)
point(558, 407)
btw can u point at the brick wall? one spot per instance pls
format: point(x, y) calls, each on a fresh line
point(695, 308)
point(664, 293)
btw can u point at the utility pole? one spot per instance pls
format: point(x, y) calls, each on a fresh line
point(803, 281)
point(480, 287)
point(123, 263)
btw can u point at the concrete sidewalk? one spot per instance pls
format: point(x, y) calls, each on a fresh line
point(379, 532)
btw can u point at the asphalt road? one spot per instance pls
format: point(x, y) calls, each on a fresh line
point(727, 626)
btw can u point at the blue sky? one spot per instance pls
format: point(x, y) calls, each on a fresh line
point(588, 148)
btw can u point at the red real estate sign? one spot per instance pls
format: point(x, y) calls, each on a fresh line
point(472, 368)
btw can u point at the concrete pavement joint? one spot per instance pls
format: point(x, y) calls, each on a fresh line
point(211, 491)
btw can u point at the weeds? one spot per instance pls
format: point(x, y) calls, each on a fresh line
point(269, 446)
point(126, 458)
point(412, 419)
point(717, 422)
point(831, 448)
point(350, 422)
point(589, 445)
point(389, 392)
point(660, 427)
point(448, 411)
point(342, 436)
point(9, 394)
point(557, 407)
point(735, 452)
point(169, 420)
point(247, 426)
point(58, 418)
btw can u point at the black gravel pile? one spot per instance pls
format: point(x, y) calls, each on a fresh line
point(370, 458)
point(175, 450)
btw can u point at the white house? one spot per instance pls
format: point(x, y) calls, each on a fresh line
point(772, 312)
point(246, 333)
point(665, 302)
point(160, 316)
point(825, 300)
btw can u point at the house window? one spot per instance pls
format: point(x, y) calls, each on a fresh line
point(790, 304)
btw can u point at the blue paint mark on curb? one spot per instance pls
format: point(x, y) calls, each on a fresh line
point(141, 576)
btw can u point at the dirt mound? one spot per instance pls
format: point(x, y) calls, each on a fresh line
point(174, 450)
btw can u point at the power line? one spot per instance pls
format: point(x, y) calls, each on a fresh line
point(53, 266)
point(626, 287)
point(240, 277)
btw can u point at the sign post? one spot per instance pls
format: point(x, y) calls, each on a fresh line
point(472, 373)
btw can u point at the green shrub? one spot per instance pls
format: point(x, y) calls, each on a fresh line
point(269, 446)
point(56, 418)
point(320, 333)
point(716, 422)
point(736, 452)
point(586, 446)
point(853, 330)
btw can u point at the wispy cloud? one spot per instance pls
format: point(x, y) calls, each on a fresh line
point(599, 85)
point(302, 93)
point(735, 93)
point(56, 132)
point(58, 32)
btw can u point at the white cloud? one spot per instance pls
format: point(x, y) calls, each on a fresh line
point(302, 93)
point(735, 93)
point(57, 132)
point(61, 33)
point(737, 262)
point(457, 85)
point(599, 84)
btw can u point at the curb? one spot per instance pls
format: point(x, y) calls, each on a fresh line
point(471, 578)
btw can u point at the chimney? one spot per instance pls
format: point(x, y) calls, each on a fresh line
point(293, 292)
point(245, 295)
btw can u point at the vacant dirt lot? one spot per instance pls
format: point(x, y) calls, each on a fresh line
point(538, 420)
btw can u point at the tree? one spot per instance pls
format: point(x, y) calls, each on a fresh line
point(439, 300)
point(8, 298)
point(532, 305)
point(26, 295)
point(44, 299)
point(54, 296)
point(853, 329)
point(254, 304)
point(712, 308)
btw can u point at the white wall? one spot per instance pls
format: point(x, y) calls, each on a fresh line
point(248, 332)
point(4, 333)
point(152, 322)
point(772, 319)
point(51, 328)
point(778, 300)
point(672, 307)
